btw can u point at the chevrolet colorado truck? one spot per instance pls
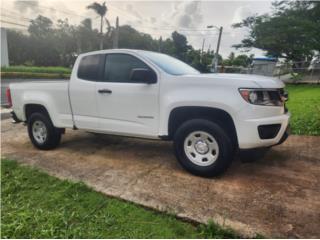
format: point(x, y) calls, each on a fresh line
point(152, 95)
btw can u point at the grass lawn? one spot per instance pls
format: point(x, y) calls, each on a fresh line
point(35, 72)
point(35, 205)
point(304, 105)
point(31, 69)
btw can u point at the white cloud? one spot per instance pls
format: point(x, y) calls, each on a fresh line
point(191, 16)
point(241, 13)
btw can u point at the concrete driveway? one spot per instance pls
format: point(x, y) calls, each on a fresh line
point(278, 196)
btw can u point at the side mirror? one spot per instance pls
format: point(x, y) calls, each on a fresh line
point(143, 75)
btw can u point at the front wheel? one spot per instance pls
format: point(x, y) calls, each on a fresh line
point(203, 147)
point(42, 133)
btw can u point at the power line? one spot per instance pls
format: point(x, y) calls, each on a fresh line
point(177, 29)
point(13, 23)
point(50, 8)
point(14, 18)
point(62, 11)
point(168, 28)
point(14, 13)
point(191, 32)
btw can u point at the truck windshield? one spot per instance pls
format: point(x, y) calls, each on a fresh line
point(169, 64)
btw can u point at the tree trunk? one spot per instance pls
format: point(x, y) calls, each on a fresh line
point(101, 36)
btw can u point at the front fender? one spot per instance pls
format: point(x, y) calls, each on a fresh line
point(218, 98)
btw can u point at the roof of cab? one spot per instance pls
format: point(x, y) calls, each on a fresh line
point(118, 50)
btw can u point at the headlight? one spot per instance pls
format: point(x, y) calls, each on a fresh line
point(266, 97)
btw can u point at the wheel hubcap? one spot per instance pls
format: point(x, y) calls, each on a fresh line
point(39, 131)
point(201, 148)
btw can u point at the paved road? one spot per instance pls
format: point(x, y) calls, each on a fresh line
point(5, 83)
point(278, 196)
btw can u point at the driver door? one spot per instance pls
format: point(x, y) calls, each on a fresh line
point(124, 106)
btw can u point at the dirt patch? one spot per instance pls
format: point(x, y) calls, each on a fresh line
point(278, 196)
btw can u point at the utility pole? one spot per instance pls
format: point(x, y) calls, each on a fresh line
point(203, 41)
point(101, 33)
point(216, 58)
point(215, 61)
point(116, 35)
point(160, 44)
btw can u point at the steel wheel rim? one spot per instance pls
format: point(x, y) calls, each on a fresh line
point(39, 131)
point(201, 148)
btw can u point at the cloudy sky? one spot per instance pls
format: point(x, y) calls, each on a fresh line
point(159, 18)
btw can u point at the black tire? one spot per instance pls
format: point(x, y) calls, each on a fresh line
point(53, 136)
point(226, 148)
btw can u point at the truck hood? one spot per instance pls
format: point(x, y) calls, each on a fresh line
point(240, 80)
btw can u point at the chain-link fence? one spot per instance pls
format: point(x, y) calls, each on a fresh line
point(298, 72)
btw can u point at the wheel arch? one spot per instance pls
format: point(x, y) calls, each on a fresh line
point(31, 108)
point(179, 115)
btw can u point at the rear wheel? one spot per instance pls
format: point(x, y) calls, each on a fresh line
point(42, 133)
point(203, 147)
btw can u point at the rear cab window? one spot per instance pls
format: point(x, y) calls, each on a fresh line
point(91, 67)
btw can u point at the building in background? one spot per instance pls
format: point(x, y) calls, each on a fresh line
point(4, 48)
point(264, 66)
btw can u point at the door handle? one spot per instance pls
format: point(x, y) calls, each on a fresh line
point(104, 91)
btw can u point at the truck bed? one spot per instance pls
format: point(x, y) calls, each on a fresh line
point(53, 95)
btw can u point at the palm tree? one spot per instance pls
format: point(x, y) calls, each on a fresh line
point(101, 10)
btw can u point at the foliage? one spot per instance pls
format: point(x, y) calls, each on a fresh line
point(31, 75)
point(304, 106)
point(100, 9)
point(131, 38)
point(181, 46)
point(291, 31)
point(296, 77)
point(35, 205)
point(212, 230)
point(241, 60)
point(58, 44)
point(35, 72)
point(36, 69)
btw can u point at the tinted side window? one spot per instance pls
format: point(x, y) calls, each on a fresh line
point(119, 66)
point(91, 67)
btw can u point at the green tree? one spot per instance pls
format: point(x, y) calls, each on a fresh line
point(65, 36)
point(42, 36)
point(229, 60)
point(47, 45)
point(41, 27)
point(101, 10)
point(180, 44)
point(231, 56)
point(19, 48)
point(87, 37)
point(194, 60)
point(133, 39)
point(291, 31)
point(242, 60)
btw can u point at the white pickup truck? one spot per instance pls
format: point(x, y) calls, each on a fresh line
point(151, 95)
